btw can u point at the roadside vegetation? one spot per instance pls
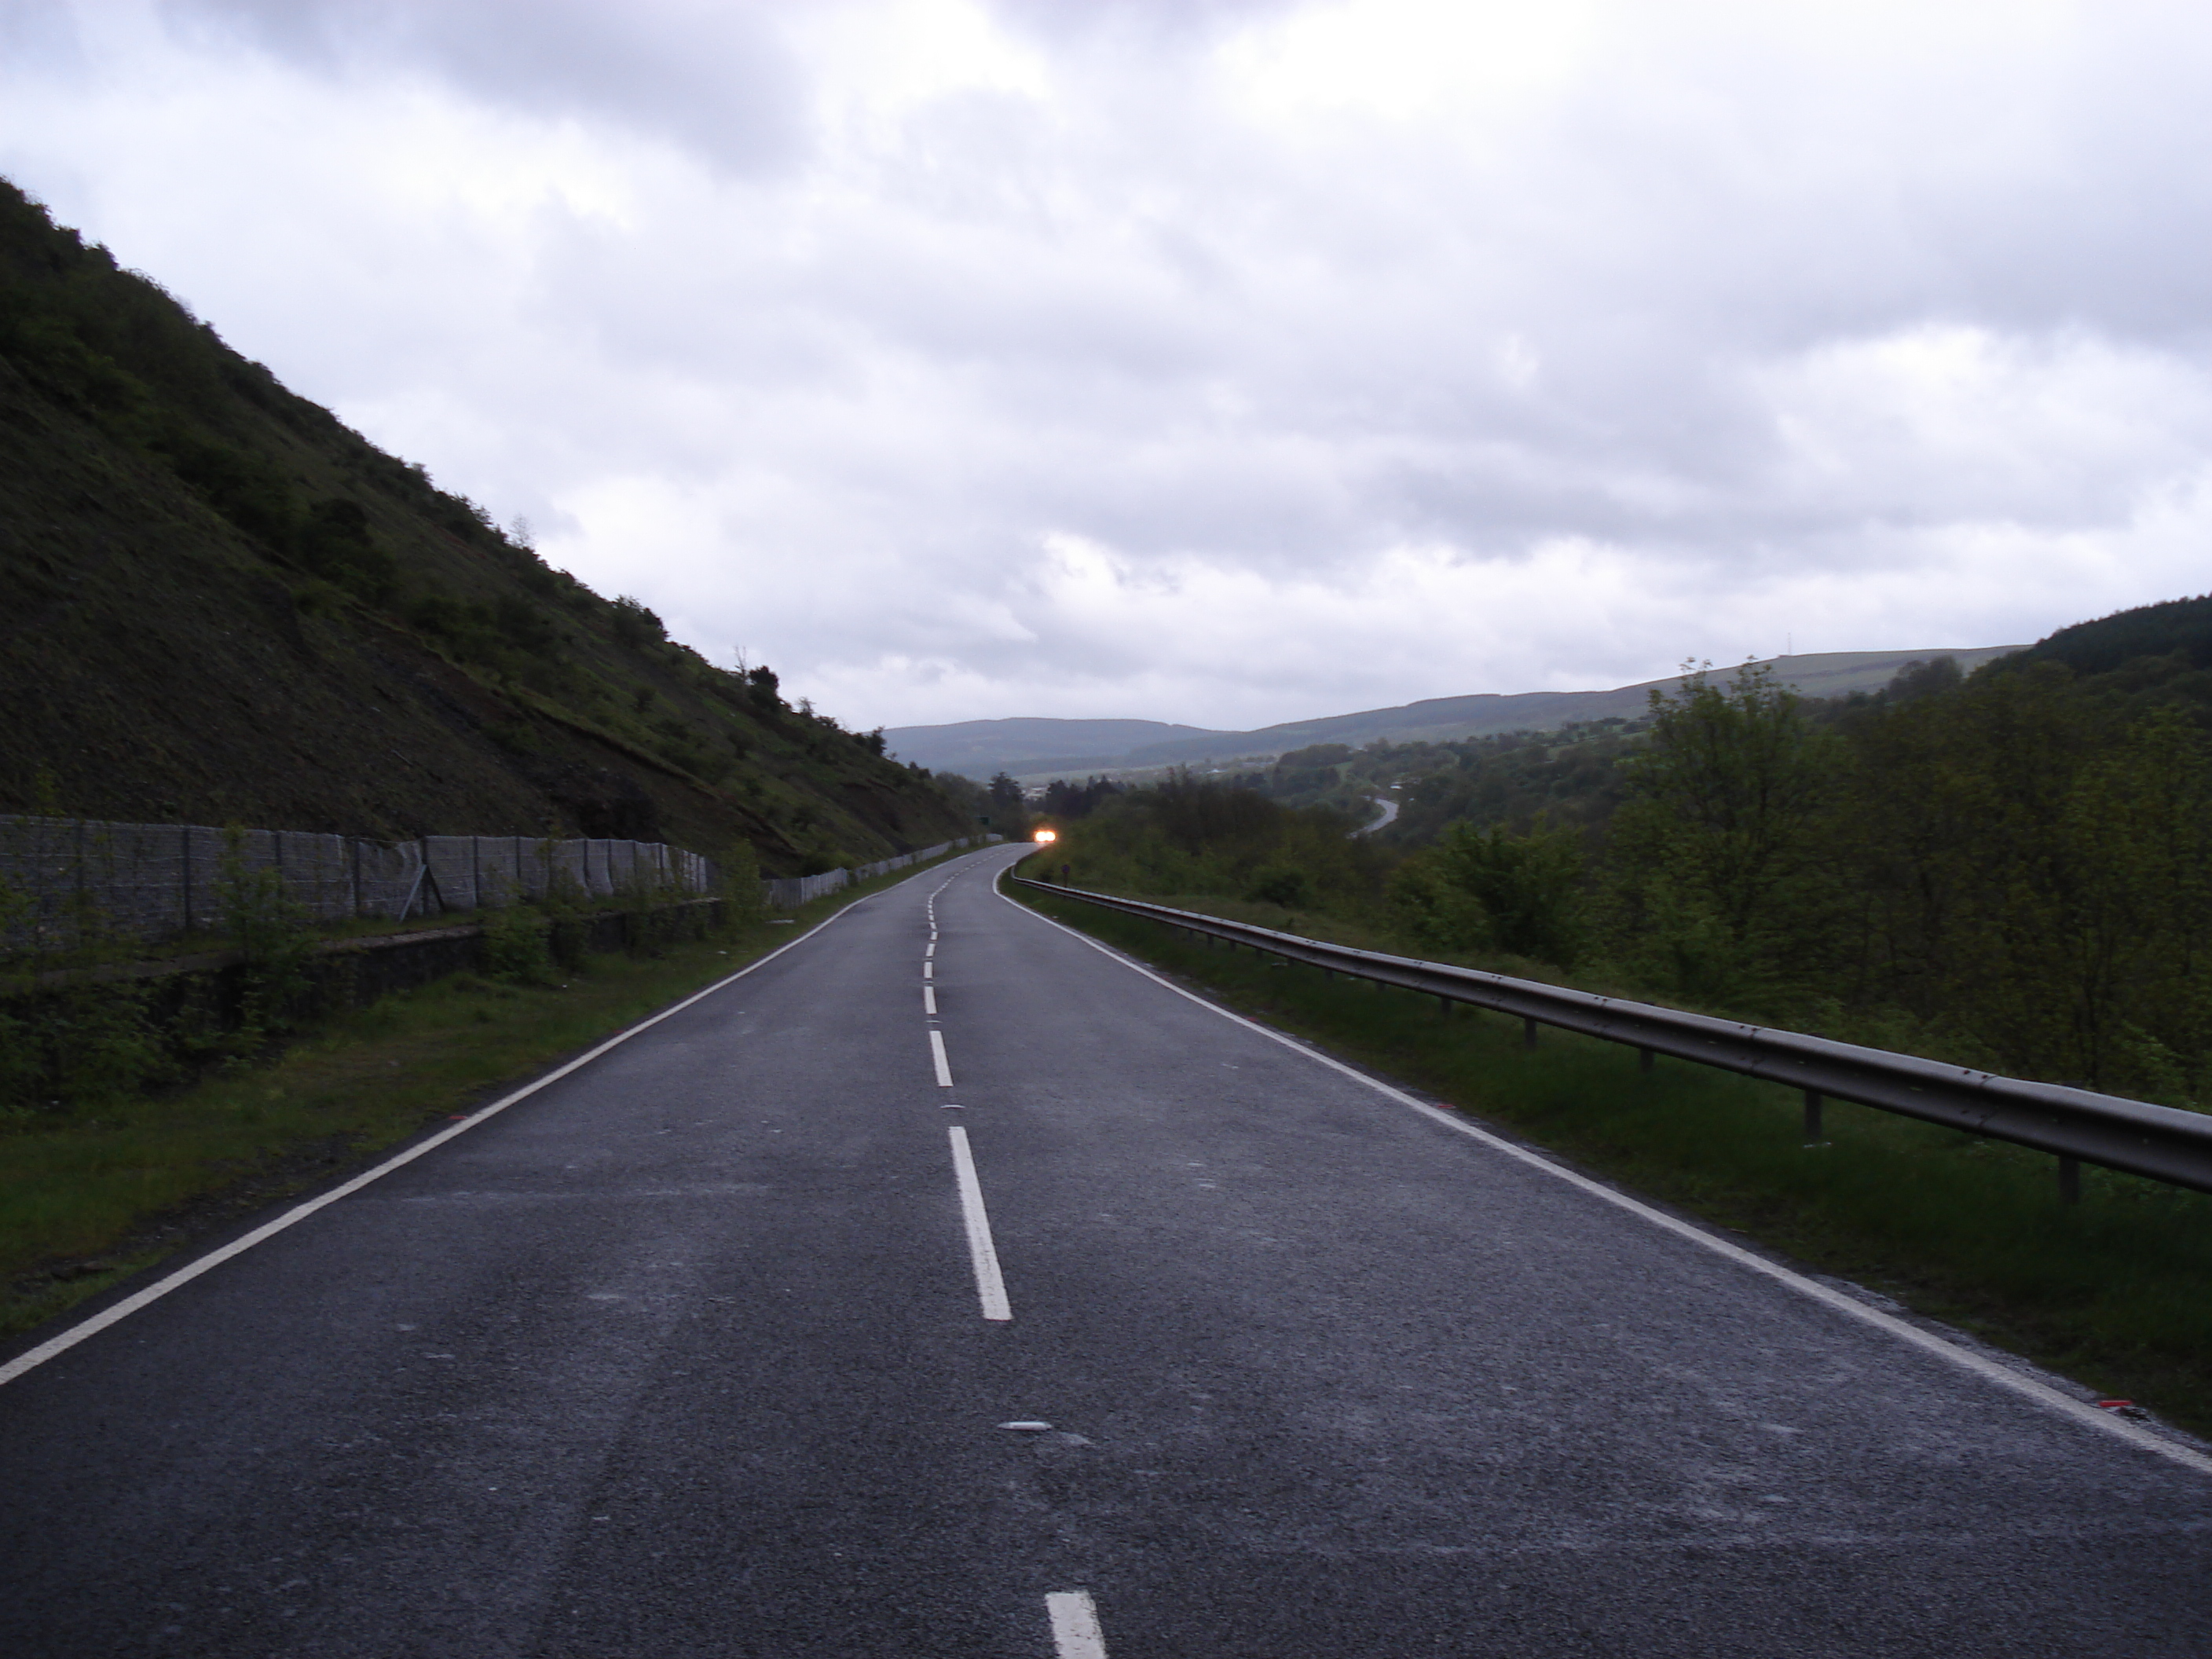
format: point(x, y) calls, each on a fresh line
point(2012, 871)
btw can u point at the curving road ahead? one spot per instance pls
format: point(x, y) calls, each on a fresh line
point(946, 1286)
point(1384, 820)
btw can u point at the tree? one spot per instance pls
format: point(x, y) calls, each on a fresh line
point(1485, 888)
point(1714, 847)
point(1007, 816)
point(635, 621)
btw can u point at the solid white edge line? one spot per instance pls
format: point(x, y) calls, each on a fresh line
point(32, 1359)
point(2041, 1393)
point(1075, 1632)
point(982, 1255)
point(937, 1059)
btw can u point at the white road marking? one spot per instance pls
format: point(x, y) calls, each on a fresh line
point(937, 1057)
point(929, 1000)
point(33, 1357)
point(990, 1288)
point(1989, 1370)
point(929, 971)
point(1075, 1632)
point(929, 950)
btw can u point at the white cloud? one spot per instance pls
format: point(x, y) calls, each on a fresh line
point(1224, 363)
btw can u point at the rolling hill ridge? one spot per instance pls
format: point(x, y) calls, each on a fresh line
point(1033, 750)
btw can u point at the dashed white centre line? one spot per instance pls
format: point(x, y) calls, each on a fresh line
point(929, 1000)
point(1075, 1632)
point(929, 971)
point(929, 950)
point(990, 1289)
point(937, 1056)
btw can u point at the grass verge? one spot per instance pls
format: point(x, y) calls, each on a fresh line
point(2110, 1292)
point(89, 1200)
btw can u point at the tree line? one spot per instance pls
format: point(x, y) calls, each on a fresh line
point(2012, 870)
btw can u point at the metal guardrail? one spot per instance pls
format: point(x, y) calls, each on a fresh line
point(2079, 1125)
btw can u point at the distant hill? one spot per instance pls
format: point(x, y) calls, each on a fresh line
point(2174, 627)
point(1036, 749)
point(977, 748)
point(218, 604)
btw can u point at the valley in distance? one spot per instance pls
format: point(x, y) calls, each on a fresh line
point(1036, 750)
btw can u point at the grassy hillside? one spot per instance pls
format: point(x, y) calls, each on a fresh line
point(219, 605)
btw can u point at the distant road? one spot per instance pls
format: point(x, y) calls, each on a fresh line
point(1390, 815)
point(721, 1346)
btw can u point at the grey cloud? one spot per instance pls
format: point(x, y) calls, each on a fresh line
point(34, 32)
point(1765, 337)
point(716, 80)
point(1171, 23)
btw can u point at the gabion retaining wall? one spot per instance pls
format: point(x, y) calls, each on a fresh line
point(63, 881)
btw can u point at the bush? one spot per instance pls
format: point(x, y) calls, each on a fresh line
point(739, 889)
point(516, 946)
point(1284, 884)
point(1481, 889)
point(634, 622)
point(269, 929)
point(86, 1046)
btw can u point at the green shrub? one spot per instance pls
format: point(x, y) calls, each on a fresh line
point(517, 945)
point(85, 1046)
point(269, 929)
point(1483, 889)
point(1281, 883)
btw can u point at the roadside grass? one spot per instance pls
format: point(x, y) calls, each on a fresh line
point(92, 1198)
point(2111, 1292)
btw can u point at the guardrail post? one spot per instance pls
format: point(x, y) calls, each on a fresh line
point(1443, 1007)
point(1813, 1118)
point(2069, 1179)
point(1645, 1059)
point(1527, 1033)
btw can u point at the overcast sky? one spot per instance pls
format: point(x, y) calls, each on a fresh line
point(1214, 360)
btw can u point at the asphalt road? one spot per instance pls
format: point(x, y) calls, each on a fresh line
point(1384, 820)
point(690, 1354)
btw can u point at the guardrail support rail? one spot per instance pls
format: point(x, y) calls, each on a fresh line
point(2078, 1126)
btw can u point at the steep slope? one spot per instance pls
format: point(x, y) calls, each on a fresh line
point(218, 603)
